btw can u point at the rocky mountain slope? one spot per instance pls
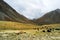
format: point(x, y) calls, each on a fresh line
point(50, 17)
point(7, 13)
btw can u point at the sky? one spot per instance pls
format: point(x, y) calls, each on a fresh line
point(33, 8)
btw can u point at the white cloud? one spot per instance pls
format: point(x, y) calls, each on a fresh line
point(26, 7)
point(34, 8)
point(50, 5)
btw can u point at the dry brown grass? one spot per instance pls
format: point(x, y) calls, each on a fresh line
point(15, 25)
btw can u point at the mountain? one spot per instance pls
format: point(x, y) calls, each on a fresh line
point(50, 17)
point(7, 13)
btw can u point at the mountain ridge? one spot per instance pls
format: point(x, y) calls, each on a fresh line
point(50, 17)
point(7, 13)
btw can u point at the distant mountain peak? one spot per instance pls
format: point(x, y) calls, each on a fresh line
point(58, 9)
point(50, 17)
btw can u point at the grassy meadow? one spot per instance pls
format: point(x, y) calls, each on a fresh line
point(5, 25)
point(21, 31)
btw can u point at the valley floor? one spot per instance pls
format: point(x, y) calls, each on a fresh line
point(29, 35)
point(21, 31)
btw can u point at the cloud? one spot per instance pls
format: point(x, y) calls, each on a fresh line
point(50, 5)
point(26, 7)
point(33, 8)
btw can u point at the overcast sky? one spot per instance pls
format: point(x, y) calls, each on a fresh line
point(33, 8)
